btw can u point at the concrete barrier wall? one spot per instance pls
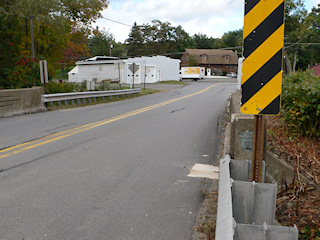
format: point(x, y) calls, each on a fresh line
point(241, 138)
point(21, 101)
point(240, 146)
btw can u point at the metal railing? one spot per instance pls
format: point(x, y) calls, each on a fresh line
point(60, 97)
point(246, 210)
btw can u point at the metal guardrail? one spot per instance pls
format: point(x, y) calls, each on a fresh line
point(246, 210)
point(224, 226)
point(59, 97)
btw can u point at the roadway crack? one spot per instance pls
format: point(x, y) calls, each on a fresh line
point(181, 109)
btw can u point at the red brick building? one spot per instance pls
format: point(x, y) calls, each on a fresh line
point(315, 69)
point(219, 61)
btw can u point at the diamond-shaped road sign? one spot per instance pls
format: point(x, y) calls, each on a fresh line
point(134, 67)
point(263, 35)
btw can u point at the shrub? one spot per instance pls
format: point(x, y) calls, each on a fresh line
point(64, 87)
point(301, 104)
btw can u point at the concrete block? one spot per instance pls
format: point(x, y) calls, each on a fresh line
point(235, 100)
point(21, 101)
point(241, 136)
point(226, 143)
point(279, 171)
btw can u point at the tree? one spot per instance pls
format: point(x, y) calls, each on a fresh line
point(76, 48)
point(296, 28)
point(201, 41)
point(119, 50)
point(180, 41)
point(100, 43)
point(313, 21)
point(135, 41)
point(233, 38)
point(39, 30)
point(158, 38)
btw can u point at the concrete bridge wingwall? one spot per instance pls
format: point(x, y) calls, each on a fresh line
point(21, 101)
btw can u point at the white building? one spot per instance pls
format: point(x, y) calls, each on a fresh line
point(96, 69)
point(147, 69)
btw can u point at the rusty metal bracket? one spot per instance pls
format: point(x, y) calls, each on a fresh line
point(258, 147)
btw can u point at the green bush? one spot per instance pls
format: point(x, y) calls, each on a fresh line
point(64, 87)
point(307, 233)
point(301, 104)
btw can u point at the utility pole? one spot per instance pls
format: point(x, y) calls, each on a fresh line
point(32, 50)
point(110, 46)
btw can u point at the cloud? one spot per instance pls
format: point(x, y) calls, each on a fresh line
point(212, 18)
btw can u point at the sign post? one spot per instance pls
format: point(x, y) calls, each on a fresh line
point(44, 74)
point(261, 83)
point(134, 68)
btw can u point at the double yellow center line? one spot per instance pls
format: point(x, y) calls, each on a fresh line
point(63, 134)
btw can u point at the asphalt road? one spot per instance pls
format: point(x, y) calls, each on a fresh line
point(110, 171)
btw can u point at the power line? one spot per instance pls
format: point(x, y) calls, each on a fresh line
point(302, 38)
point(304, 43)
point(117, 22)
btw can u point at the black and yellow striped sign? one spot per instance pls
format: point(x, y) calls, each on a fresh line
point(263, 35)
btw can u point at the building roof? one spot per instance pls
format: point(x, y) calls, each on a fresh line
point(317, 66)
point(214, 56)
point(315, 69)
point(74, 70)
point(101, 58)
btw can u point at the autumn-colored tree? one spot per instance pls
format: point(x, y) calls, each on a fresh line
point(39, 29)
point(76, 49)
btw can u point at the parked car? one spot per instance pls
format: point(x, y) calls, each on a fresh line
point(231, 74)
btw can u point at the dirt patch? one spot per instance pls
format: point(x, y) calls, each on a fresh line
point(205, 226)
point(297, 203)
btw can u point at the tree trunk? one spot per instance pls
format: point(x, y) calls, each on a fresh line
point(32, 50)
point(288, 63)
point(294, 61)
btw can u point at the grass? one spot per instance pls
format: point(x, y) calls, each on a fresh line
point(60, 75)
point(206, 220)
point(148, 91)
point(172, 82)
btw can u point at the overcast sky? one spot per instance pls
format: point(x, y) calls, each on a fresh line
point(210, 17)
